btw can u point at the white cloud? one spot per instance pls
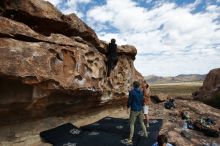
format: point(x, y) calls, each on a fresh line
point(180, 41)
point(189, 39)
point(73, 6)
point(54, 2)
point(109, 36)
point(74, 3)
point(147, 1)
point(70, 6)
point(178, 64)
point(194, 5)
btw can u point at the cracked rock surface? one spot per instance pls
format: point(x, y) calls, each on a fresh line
point(54, 64)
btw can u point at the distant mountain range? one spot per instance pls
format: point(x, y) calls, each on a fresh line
point(152, 79)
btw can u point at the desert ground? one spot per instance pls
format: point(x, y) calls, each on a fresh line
point(182, 89)
point(27, 133)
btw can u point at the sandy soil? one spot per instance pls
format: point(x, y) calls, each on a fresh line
point(27, 133)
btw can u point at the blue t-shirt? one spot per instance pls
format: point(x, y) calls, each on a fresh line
point(135, 100)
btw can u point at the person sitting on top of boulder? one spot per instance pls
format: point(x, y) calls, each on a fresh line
point(112, 56)
point(162, 141)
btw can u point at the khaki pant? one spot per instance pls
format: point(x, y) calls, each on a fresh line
point(133, 116)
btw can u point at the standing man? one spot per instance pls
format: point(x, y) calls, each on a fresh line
point(135, 105)
point(112, 56)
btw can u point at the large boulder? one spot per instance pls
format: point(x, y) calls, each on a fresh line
point(52, 64)
point(212, 81)
point(45, 19)
point(210, 90)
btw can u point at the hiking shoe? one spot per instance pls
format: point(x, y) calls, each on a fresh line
point(127, 141)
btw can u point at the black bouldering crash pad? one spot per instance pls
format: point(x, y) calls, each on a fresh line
point(105, 132)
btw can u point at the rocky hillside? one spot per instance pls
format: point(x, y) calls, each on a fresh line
point(54, 64)
point(152, 79)
point(210, 90)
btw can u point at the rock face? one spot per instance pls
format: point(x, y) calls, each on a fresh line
point(212, 81)
point(53, 64)
point(173, 123)
point(44, 18)
point(210, 91)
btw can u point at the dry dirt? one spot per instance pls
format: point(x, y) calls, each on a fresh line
point(27, 133)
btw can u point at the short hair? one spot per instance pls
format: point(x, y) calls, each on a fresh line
point(136, 84)
point(113, 40)
point(147, 85)
point(161, 139)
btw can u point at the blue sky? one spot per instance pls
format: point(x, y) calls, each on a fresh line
point(172, 36)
